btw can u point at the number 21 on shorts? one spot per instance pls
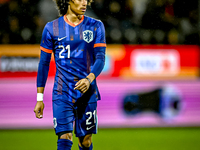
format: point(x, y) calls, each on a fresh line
point(91, 120)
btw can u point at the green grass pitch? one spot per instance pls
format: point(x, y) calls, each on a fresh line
point(107, 139)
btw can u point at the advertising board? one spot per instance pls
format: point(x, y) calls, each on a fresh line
point(129, 62)
point(140, 86)
point(170, 104)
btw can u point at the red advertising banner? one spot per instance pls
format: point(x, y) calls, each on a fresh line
point(132, 62)
point(152, 62)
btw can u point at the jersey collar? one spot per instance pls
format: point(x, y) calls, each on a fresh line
point(71, 24)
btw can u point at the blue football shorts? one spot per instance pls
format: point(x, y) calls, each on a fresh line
point(83, 114)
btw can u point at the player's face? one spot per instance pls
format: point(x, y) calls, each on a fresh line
point(78, 6)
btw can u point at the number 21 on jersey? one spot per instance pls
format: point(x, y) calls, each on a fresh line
point(63, 50)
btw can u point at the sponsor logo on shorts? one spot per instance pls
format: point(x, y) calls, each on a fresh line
point(88, 128)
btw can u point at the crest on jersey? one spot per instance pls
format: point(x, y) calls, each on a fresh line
point(88, 36)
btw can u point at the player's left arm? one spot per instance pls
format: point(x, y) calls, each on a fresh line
point(99, 53)
point(84, 84)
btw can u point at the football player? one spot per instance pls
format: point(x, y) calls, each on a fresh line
point(78, 45)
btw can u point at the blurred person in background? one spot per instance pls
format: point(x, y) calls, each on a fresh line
point(78, 43)
point(47, 10)
point(18, 21)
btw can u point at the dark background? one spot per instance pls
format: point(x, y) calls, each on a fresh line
point(126, 21)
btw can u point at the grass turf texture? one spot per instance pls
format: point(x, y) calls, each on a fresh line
point(107, 139)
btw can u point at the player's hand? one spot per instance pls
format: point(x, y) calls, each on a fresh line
point(82, 85)
point(39, 107)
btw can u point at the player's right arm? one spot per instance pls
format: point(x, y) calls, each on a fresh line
point(39, 107)
point(42, 75)
point(43, 69)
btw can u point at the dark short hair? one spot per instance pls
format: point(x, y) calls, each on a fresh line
point(62, 6)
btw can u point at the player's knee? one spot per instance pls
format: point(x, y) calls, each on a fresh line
point(64, 135)
point(86, 143)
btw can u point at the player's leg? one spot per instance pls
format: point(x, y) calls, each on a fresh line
point(85, 143)
point(63, 124)
point(64, 141)
point(86, 124)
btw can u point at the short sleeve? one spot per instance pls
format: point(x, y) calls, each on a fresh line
point(100, 39)
point(46, 41)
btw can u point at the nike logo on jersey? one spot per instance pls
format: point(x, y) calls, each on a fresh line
point(88, 128)
point(59, 39)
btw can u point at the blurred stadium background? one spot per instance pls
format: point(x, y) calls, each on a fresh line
point(150, 86)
